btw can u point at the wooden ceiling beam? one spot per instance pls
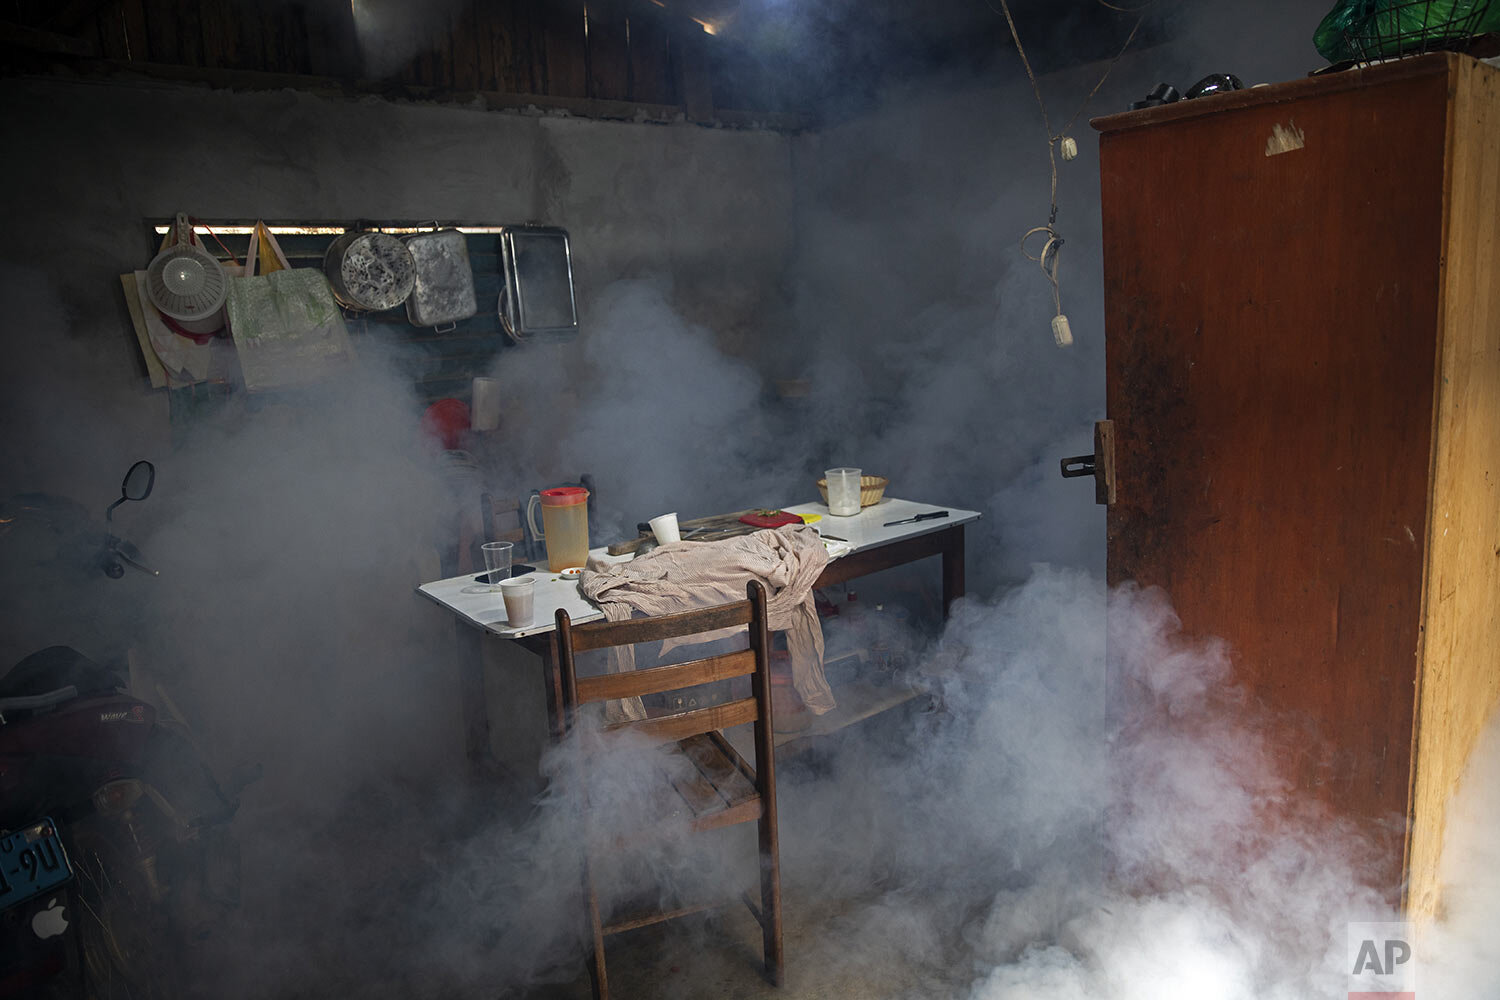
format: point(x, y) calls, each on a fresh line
point(72, 15)
point(35, 39)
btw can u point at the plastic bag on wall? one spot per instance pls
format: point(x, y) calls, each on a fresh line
point(1373, 29)
point(287, 328)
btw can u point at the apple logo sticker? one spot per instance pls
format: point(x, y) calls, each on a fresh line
point(50, 922)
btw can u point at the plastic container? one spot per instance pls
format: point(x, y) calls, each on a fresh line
point(187, 284)
point(565, 525)
point(843, 491)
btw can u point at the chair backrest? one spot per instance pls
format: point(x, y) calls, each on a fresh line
point(713, 785)
point(502, 519)
point(754, 661)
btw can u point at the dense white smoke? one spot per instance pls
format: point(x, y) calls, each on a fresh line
point(652, 410)
point(1459, 957)
point(1005, 837)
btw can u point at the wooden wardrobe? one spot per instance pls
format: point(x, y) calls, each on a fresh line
point(1302, 289)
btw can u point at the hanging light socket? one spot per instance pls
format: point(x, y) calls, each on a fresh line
point(1061, 331)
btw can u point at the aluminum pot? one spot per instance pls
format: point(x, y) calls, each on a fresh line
point(370, 272)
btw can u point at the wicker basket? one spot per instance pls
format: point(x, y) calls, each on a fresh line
point(871, 489)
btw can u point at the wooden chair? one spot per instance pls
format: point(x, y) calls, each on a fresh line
point(503, 520)
point(722, 789)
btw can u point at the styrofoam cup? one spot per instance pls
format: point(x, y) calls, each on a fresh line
point(664, 528)
point(520, 600)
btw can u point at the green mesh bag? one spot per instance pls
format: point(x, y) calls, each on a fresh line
point(1379, 29)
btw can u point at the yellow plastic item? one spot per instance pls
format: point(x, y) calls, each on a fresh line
point(810, 518)
point(270, 259)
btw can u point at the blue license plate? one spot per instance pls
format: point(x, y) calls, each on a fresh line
point(32, 861)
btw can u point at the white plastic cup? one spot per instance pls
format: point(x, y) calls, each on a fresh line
point(484, 405)
point(497, 556)
point(843, 491)
point(664, 528)
point(520, 600)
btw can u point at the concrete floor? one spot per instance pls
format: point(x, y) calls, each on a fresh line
point(826, 934)
point(414, 890)
point(349, 919)
point(719, 956)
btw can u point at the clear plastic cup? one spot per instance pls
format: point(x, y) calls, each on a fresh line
point(843, 491)
point(497, 556)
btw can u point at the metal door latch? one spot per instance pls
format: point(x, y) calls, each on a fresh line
point(1100, 465)
point(1078, 465)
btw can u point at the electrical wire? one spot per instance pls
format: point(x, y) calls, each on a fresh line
point(1047, 259)
point(1110, 68)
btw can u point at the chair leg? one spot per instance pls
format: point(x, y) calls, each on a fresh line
point(597, 976)
point(770, 901)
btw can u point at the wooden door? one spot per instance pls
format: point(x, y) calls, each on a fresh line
point(1272, 283)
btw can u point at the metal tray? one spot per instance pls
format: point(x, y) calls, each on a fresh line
point(443, 291)
point(538, 295)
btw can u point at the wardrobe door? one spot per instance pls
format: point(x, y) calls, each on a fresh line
point(1271, 289)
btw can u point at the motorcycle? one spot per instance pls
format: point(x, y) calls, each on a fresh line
point(115, 848)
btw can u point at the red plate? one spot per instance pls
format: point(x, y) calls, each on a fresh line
point(770, 519)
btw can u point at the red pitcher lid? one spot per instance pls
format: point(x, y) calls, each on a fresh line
point(564, 496)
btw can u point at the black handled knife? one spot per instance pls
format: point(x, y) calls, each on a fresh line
point(931, 515)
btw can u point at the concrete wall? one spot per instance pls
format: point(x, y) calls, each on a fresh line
point(289, 534)
point(705, 210)
point(879, 257)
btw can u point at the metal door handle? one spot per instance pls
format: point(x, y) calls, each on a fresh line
point(1078, 465)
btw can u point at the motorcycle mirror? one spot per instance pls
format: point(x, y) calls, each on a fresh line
point(136, 485)
point(138, 481)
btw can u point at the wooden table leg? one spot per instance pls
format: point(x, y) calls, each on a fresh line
point(476, 717)
point(552, 674)
point(545, 645)
point(953, 566)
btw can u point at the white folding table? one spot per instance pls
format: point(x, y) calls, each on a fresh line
point(873, 545)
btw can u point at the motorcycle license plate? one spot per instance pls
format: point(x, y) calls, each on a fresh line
point(32, 861)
